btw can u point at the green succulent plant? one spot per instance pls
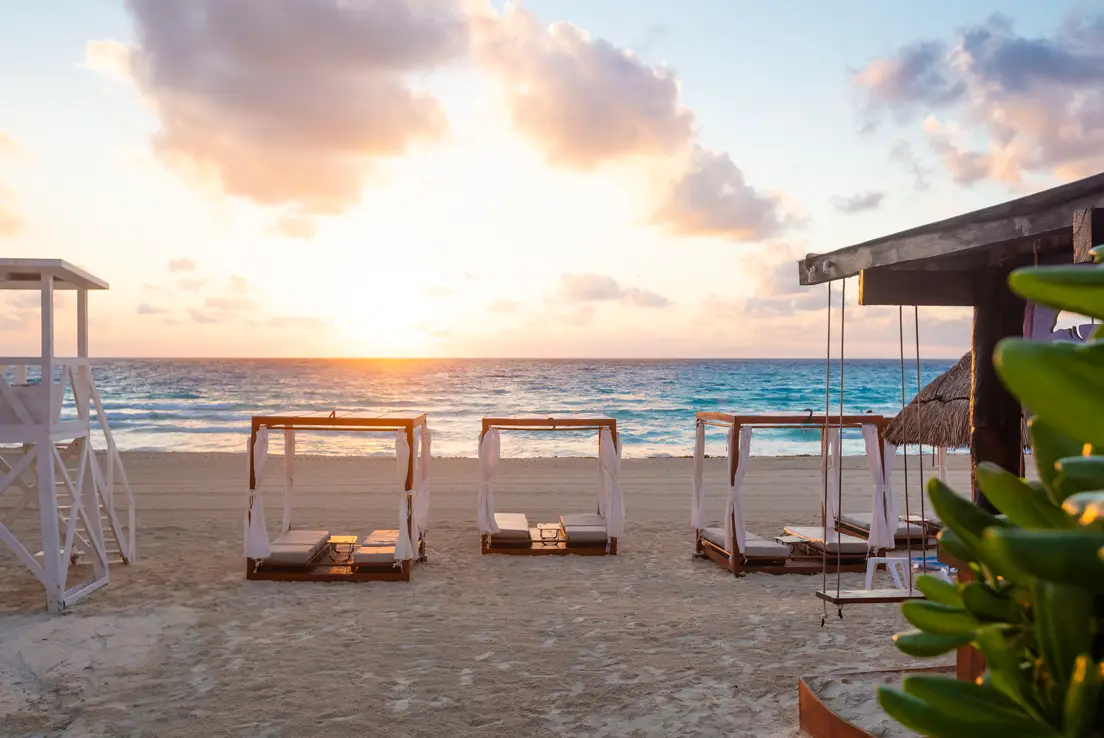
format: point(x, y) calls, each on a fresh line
point(1035, 609)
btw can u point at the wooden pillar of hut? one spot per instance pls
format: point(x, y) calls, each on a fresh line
point(995, 427)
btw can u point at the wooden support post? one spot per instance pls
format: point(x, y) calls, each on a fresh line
point(1088, 232)
point(995, 430)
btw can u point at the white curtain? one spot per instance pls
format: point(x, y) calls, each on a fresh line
point(829, 468)
point(603, 482)
point(893, 507)
point(882, 527)
point(403, 550)
point(421, 485)
point(697, 496)
point(256, 533)
point(738, 455)
point(490, 448)
point(609, 456)
point(289, 477)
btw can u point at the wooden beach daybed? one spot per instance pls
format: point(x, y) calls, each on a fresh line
point(801, 549)
point(302, 555)
point(587, 534)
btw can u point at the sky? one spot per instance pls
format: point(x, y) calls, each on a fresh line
point(468, 178)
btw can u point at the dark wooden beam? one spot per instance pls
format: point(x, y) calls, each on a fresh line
point(995, 415)
point(1088, 233)
point(1042, 214)
point(908, 287)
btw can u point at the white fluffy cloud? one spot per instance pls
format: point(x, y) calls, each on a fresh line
point(590, 288)
point(1036, 102)
point(288, 102)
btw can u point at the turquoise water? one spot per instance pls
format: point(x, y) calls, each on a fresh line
point(205, 405)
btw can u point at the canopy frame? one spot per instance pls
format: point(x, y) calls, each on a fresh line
point(405, 422)
point(570, 423)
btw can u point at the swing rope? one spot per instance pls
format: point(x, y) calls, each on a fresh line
point(904, 448)
point(923, 515)
point(824, 454)
point(839, 459)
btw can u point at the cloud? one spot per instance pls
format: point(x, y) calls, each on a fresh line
point(503, 307)
point(777, 291)
point(239, 284)
point(288, 102)
point(902, 154)
point(229, 303)
point(191, 285)
point(11, 223)
point(438, 291)
point(144, 308)
point(108, 57)
point(294, 226)
point(582, 100)
point(181, 265)
point(859, 203)
point(711, 198)
point(298, 322)
point(1035, 102)
point(200, 317)
point(602, 288)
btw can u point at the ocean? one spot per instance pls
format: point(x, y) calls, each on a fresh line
point(205, 405)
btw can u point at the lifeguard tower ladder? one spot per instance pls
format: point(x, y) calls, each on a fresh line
point(85, 506)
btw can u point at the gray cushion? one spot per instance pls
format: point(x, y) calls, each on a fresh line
point(571, 519)
point(863, 521)
point(837, 542)
point(313, 538)
point(291, 553)
point(374, 555)
point(381, 538)
point(757, 546)
point(512, 525)
point(586, 533)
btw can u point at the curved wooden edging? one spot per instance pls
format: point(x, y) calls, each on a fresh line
point(820, 721)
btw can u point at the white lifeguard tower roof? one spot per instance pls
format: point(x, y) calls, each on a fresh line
point(26, 274)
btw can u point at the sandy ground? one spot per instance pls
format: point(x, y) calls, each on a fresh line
point(647, 643)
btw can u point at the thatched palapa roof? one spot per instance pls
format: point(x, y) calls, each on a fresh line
point(939, 416)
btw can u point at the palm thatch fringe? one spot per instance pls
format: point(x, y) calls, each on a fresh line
point(939, 416)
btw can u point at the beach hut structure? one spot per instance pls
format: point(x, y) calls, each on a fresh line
point(302, 555)
point(588, 534)
point(801, 549)
point(965, 261)
point(66, 511)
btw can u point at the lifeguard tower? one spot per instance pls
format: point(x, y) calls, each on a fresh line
point(84, 503)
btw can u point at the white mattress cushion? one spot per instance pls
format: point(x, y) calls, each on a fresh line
point(374, 555)
point(863, 521)
point(585, 533)
point(291, 553)
point(837, 542)
point(381, 538)
point(297, 537)
point(756, 545)
point(512, 525)
point(571, 519)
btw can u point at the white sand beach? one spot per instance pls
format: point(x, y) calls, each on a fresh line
point(647, 643)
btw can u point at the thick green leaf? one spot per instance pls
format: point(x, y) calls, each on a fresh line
point(966, 700)
point(1024, 506)
point(938, 589)
point(1079, 474)
point(987, 606)
point(932, 617)
point(1087, 508)
point(1076, 288)
point(1048, 445)
point(1082, 707)
point(925, 645)
point(960, 515)
point(1062, 383)
point(1061, 556)
point(955, 546)
point(1064, 626)
point(924, 718)
point(1005, 667)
